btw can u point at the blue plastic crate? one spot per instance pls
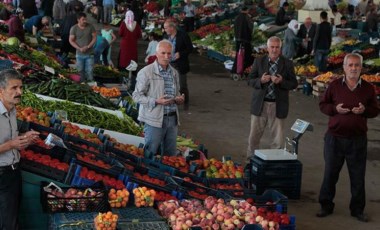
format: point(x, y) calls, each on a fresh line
point(277, 200)
point(156, 164)
point(159, 225)
point(133, 214)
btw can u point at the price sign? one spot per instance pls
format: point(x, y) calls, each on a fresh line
point(49, 69)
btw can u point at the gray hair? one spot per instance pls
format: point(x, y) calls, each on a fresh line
point(353, 55)
point(274, 39)
point(8, 74)
point(162, 42)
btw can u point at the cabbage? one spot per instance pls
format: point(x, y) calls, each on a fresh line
point(13, 41)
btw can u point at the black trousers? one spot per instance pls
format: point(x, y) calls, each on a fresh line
point(10, 199)
point(354, 152)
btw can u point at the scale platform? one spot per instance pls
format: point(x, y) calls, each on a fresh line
point(274, 154)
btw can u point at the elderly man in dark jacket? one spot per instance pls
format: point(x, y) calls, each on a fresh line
point(180, 57)
point(272, 78)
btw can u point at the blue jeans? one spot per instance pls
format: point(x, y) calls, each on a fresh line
point(165, 136)
point(85, 64)
point(320, 59)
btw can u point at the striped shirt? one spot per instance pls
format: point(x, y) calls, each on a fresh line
point(168, 88)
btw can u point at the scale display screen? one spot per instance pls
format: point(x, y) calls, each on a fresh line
point(300, 126)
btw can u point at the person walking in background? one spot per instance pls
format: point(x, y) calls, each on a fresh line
point(322, 43)
point(291, 41)
point(189, 11)
point(11, 142)
point(349, 102)
point(157, 92)
point(59, 11)
point(47, 7)
point(101, 50)
point(307, 34)
point(151, 50)
point(83, 38)
point(372, 22)
point(130, 33)
point(243, 27)
point(100, 8)
point(109, 35)
point(16, 28)
point(108, 5)
point(281, 17)
point(69, 21)
point(29, 7)
point(272, 78)
point(182, 48)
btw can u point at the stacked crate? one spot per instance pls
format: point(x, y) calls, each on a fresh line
point(282, 175)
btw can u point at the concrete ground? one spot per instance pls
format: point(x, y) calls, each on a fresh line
point(219, 117)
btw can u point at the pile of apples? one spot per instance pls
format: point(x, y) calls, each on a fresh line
point(217, 169)
point(118, 198)
point(178, 162)
point(106, 221)
point(107, 180)
point(218, 214)
point(44, 160)
point(144, 197)
point(132, 149)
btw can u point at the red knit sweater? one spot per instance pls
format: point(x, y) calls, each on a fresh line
point(349, 125)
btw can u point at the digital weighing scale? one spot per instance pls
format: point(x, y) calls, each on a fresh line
point(299, 127)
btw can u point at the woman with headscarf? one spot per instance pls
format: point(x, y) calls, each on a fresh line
point(129, 32)
point(291, 41)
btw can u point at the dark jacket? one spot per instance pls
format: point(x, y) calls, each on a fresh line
point(303, 33)
point(243, 28)
point(280, 17)
point(322, 39)
point(289, 82)
point(29, 7)
point(47, 7)
point(184, 47)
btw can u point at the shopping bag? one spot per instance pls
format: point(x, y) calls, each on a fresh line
point(240, 60)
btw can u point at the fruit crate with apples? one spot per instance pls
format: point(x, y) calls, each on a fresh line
point(83, 144)
point(194, 189)
point(51, 163)
point(107, 165)
point(123, 155)
point(156, 164)
point(153, 179)
point(82, 176)
point(271, 200)
point(74, 199)
point(232, 186)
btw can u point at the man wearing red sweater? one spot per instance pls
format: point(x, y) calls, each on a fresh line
point(348, 102)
